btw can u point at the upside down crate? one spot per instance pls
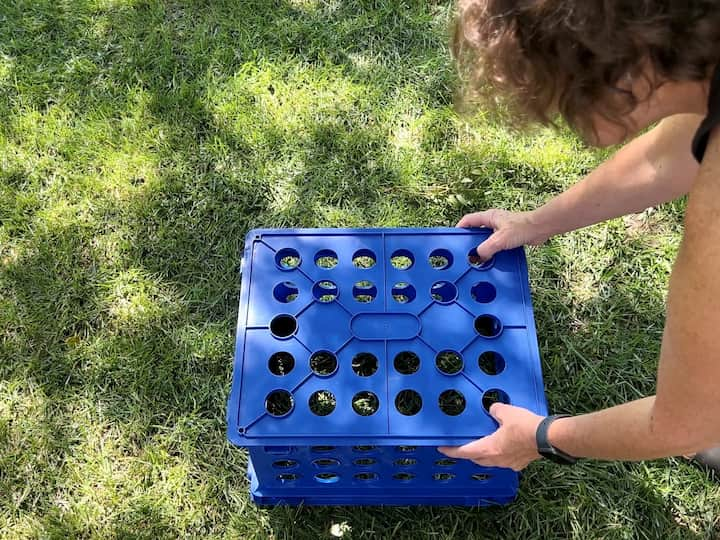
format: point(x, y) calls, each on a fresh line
point(360, 351)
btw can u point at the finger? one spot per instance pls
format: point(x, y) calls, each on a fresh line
point(451, 451)
point(461, 452)
point(477, 219)
point(472, 450)
point(464, 221)
point(490, 247)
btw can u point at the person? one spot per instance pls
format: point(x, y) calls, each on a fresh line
point(610, 69)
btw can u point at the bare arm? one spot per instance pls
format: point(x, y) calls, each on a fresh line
point(683, 416)
point(654, 168)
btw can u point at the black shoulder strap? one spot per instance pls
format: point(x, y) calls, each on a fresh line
point(700, 141)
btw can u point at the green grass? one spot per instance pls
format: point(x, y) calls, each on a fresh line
point(141, 139)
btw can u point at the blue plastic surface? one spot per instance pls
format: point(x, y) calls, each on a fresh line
point(378, 344)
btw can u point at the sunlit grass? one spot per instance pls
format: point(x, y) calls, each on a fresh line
point(140, 140)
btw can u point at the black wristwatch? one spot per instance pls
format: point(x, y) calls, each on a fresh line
point(547, 450)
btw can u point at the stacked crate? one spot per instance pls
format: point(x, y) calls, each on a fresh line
point(360, 351)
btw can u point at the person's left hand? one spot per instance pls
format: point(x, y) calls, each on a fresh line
point(512, 445)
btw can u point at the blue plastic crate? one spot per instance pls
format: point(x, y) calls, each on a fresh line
point(359, 351)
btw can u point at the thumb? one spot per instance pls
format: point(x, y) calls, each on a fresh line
point(498, 411)
point(490, 247)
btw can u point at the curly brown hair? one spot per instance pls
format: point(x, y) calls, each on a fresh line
point(571, 57)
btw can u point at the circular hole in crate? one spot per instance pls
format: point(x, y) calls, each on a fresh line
point(322, 402)
point(481, 477)
point(440, 259)
point(365, 448)
point(449, 362)
point(283, 326)
point(366, 476)
point(279, 403)
point(281, 363)
point(406, 362)
point(285, 464)
point(285, 292)
point(443, 292)
point(324, 463)
point(408, 402)
point(364, 291)
point(364, 258)
point(405, 462)
point(327, 477)
point(365, 403)
point(491, 363)
point(365, 364)
point(451, 402)
point(405, 449)
point(323, 363)
point(287, 259)
point(402, 259)
point(483, 292)
point(365, 462)
point(488, 326)
point(403, 476)
point(325, 291)
point(321, 449)
point(477, 262)
point(326, 258)
point(494, 395)
point(287, 477)
point(443, 476)
point(447, 462)
point(403, 292)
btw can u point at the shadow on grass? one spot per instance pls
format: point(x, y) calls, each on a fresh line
point(129, 312)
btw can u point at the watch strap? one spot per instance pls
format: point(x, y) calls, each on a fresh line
point(545, 448)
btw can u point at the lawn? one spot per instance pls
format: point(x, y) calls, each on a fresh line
point(141, 139)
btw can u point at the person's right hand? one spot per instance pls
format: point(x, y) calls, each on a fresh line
point(510, 230)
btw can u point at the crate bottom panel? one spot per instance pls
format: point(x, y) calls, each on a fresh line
point(289, 493)
point(261, 500)
point(373, 467)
